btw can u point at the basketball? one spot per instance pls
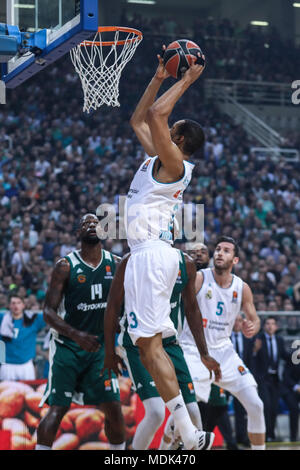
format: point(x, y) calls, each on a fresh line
point(178, 56)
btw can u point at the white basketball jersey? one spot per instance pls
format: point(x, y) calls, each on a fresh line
point(219, 307)
point(151, 206)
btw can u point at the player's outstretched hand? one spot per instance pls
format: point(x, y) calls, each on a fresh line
point(195, 70)
point(112, 362)
point(213, 366)
point(161, 72)
point(248, 328)
point(86, 341)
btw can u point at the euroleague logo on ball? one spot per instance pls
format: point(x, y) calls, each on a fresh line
point(178, 57)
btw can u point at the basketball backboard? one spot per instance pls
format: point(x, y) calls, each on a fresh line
point(68, 23)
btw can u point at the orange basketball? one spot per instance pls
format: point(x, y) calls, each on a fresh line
point(178, 56)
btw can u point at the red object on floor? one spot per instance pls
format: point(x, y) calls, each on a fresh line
point(140, 413)
point(5, 437)
point(218, 442)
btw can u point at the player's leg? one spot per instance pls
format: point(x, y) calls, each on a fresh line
point(148, 316)
point(184, 378)
point(100, 390)
point(48, 427)
point(63, 371)
point(171, 438)
point(160, 367)
point(144, 386)
point(114, 424)
point(237, 380)
point(254, 407)
point(155, 411)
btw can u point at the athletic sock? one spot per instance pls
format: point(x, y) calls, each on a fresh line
point(255, 447)
point(41, 447)
point(164, 445)
point(117, 446)
point(182, 420)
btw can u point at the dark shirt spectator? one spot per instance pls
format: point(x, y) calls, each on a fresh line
point(268, 350)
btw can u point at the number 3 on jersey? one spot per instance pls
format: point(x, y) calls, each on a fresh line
point(134, 322)
point(220, 308)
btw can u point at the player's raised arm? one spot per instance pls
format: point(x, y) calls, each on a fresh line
point(167, 148)
point(251, 324)
point(138, 120)
point(111, 317)
point(194, 319)
point(54, 295)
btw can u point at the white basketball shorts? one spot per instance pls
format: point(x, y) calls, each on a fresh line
point(235, 375)
point(150, 276)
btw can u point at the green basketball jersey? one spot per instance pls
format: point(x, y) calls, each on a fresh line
point(177, 312)
point(85, 297)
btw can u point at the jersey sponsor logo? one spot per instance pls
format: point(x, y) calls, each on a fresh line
point(234, 297)
point(131, 192)
point(191, 387)
point(165, 235)
point(85, 307)
point(242, 370)
point(173, 304)
point(108, 273)
point(208, 294)
point(107, 385)
point(146, 164)
point(81, 278)
point(178, 194)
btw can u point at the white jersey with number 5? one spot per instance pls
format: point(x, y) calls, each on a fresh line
point(151, 206)
point(219, 307)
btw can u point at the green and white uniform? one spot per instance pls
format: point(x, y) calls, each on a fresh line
point(74, 374)
point(142, 381)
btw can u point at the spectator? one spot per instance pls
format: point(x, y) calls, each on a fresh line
point(268, 350)
point(19, 330)
point(21, 258)
point(67, 246)
point(290, 392)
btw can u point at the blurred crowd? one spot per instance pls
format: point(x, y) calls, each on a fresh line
point(58, 163)
point(233, 52)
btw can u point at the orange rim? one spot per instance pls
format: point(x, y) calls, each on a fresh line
point(105, 29)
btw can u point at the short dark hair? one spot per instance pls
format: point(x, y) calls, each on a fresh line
point(231, 240)
point(17, 296)
point(193, 133)
point(270, 317)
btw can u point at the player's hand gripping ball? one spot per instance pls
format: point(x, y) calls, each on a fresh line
point(178, 56)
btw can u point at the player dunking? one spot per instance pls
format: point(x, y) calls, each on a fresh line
point(74, 308)
point(221, 296)
point(183, 295)
point(152, 269)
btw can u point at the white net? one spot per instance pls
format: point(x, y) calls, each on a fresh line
point(99, 65)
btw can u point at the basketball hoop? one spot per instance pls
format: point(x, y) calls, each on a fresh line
point(99, 64)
